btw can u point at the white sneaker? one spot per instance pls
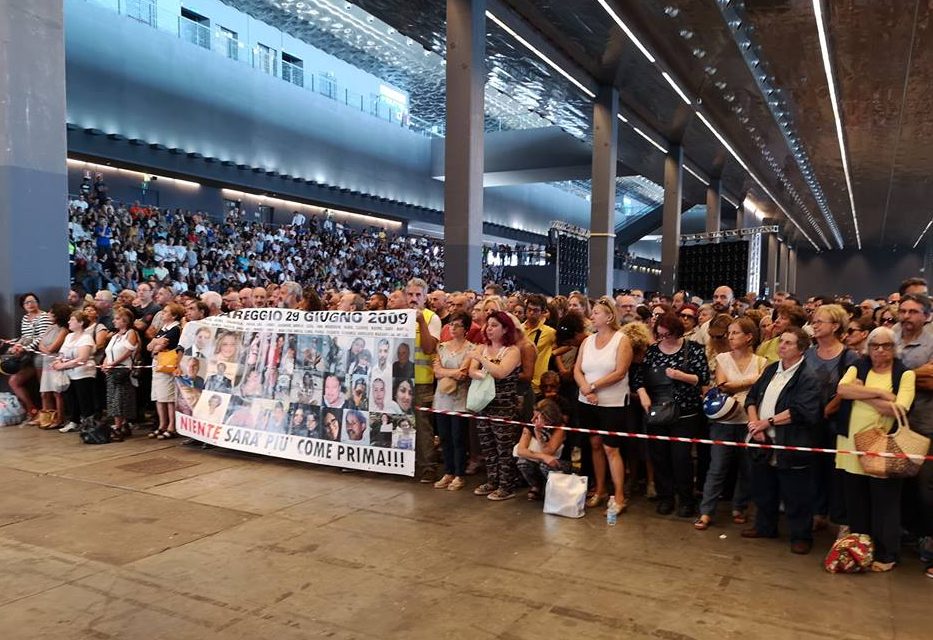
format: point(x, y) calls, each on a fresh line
point(68, 428)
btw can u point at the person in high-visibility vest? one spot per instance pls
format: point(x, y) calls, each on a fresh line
point(427, 333)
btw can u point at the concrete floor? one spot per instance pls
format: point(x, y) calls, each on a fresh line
point(144, 540)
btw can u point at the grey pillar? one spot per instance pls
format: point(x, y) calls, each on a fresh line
point(713, 206)
point(603, 199)
point(670, 226)
point(33, 178)
point(792, 270)
point(783, 271)
point(772, 258)
point(463, 151)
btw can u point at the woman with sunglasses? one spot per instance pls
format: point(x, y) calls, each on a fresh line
point(601, 374)
point(886, 316)
point(857, 334)
point(688, 314)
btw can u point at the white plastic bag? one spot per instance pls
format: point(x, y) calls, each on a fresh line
point(565, 495)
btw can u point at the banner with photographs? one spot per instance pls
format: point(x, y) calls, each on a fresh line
point(326, 387)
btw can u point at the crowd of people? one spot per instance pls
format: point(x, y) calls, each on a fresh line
point(812, 373)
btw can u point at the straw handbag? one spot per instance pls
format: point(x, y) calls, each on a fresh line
point(876, 439)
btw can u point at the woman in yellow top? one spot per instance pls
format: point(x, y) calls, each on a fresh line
point(873, 505)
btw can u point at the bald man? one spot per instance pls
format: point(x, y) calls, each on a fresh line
point(260, 297)
point(397, 300)
point(246, 298)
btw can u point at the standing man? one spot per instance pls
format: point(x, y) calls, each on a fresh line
point(437, 302)
point(541, 335)
point(723, 297)
point(915, 349)
point(427, 333)
point(377, 302)
point(246, 298)
point(625, 308)
point(260, 297)
point(103, 301)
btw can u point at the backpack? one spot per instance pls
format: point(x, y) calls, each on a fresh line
point(94, 432)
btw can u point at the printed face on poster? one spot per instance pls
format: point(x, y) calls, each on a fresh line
point(324, 387)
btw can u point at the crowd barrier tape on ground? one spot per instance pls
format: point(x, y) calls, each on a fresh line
point(325, 387)
point(726, 443)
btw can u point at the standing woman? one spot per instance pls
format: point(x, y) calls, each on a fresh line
point(121, 394)
point(163, 384)
point(501, 359)
point(873, 505)
point(76, 358)
point(53, 399)
point(31, 328)
point(450, 374)
point(674, 371)
point(100, 335)
point(828, 359)
point(736, 371)
point(601, 374)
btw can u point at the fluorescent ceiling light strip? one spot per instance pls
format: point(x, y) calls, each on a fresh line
point(646, 137)
point(925, 229)
point(730, 201)
point(628, 32)
point(695, 175)
point(541, 55)
point(676, 87)
point(622, 118)
point(755, 178)
point(834, 100)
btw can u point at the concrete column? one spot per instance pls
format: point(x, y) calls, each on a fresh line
point(33, 178)
point(463, 153)
point(792, 270)
point(782, 267)
point(713, 206)
point(670, 226)
point(603, 200)
point(772, 259)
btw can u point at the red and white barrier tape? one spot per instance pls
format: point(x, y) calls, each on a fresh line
point(727, 443)
point(83, 364)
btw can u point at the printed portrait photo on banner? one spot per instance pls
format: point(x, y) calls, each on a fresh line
point(382, 365)
point(404, 366)
point(404, 395)
point(403, 436)
point(334, 391)
point(186, 398)
point(275, 420)
point(220, 376)
point(250, 384)
point(331, 420)
point(196, 339)
point(359, 393)
point(226, 346)
point(212, 407)
point(307, 387)
point(354, 426)
point(310, 353)
point(298, 420)
point(335, 355)
point(240, 413)
point(380, 429)
point(191, 369)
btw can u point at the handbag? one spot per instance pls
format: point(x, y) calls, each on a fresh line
point(167, 361)
point(58, 380)
point(876, 439)
point(662, 414)
point(565, 495)
point(119, 374)
point(853, 553)
point(480, 393)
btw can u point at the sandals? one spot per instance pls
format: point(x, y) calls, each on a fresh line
point(155, 433)
point(534, 494)
point(929, 572)
point(882, 567)
point(595, 500)
point(739, 517)
point(116, 435)
point(166, 435)
point(703, 523)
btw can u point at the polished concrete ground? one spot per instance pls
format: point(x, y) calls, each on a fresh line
point(143, 540)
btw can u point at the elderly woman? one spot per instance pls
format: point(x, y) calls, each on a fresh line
point(34, 324)
point(76, 358)
point(163, 383)
point(50, 383)
point(119, 353)
point(540, 446)
point(868, 389)
point(828, 358)
point(500, 358)
point(784, 408)
point(673, 372)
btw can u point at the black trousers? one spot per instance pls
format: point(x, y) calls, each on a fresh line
point(873, 507)
point(793, 487)
point(673, 461)
point(79, 399)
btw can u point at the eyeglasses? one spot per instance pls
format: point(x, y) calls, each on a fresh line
point(888, 321)
point(687, 315)
point(663, 335)
point(882, 346)
point(852, 330)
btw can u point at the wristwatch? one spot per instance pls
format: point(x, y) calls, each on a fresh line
point(771, 421)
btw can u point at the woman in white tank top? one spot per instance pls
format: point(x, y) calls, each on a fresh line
point(601, 373)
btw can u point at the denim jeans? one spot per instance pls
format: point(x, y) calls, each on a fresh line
point(453, 432)
point(722, 459)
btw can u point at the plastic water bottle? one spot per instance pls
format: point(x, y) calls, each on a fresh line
point(575, 457)
point(612, 512)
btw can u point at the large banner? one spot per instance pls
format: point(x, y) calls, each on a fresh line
point(327, 387)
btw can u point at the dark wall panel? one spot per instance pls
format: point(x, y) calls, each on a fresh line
point(864, 274)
